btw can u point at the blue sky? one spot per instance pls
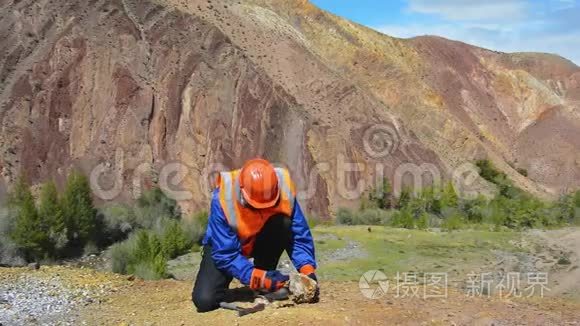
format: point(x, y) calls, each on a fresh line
point(506, 25)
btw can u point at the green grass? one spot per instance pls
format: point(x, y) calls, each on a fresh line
point(399, 250)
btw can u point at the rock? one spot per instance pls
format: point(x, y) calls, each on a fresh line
point(564, 261)
point(303, 288)
point(34, 266)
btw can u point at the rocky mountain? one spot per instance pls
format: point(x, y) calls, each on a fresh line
point(143, 91)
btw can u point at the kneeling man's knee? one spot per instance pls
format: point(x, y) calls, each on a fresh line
point(204, 301)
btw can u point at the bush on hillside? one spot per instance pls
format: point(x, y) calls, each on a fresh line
point(154, 207)
point(381, 197)
point(441, 207)
point(29, 231)
point(79, 214)
point(369, 216)
point(453, 220)
point(403, 219)
point(344, 216)
point(50, 211)
point(174, 240)
point(9, 252)
point(146, 252)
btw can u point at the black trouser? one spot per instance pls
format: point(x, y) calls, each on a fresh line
point(211, 285)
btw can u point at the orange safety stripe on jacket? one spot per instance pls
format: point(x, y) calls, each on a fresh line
point(248, 222)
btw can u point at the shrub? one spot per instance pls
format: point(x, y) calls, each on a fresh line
point(372, 217)
point(153, 211)
point(488, 171)
point(417, 205)
point(453, 220)
point(382, 196)
point(121, 255)
point(449, 198)
point(78, 211)
point(153, 207)
point(195, 227)
point(369, 216)
point(404, 198)
point(59, 226)
point(344, 216)
point(403, 219)
point(30, 231)
point(577, 198)
point(9, 252)
point(119, 220)
point(141, 254)
point(50, 211)
point(423, 222)
point(431, 199)
point(576, 220)
point(174, 240)
point(474, 210)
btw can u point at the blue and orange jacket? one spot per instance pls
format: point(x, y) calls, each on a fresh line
point(232, 228)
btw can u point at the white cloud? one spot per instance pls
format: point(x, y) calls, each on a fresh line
point(562, 4)
point(472, 10)
point(509, 38)
point(550, 26)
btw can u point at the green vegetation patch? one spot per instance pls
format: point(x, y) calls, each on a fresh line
point(399, 250)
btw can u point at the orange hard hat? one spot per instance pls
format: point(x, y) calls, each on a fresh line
point(259, 184)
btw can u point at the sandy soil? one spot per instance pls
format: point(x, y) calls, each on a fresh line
point(168, 303)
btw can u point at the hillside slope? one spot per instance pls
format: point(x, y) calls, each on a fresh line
point(130, 86)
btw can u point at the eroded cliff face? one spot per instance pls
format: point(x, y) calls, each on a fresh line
point(131, 88)
point(520, 110)
point(142, 90)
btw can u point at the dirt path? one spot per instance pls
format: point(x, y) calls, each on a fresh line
point(168, 303)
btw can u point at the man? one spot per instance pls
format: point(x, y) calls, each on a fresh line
point(254, 214)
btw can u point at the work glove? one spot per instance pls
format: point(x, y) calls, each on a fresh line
point(317, 293)
point(308, 270)
point(270, 281)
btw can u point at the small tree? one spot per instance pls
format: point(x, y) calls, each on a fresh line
point(174, 240)
point(449, 198)
point(50, 213)
point(577, 198)
point(344, 216)
point(30, 232)
point(142, 246)
point(453, 220)
point(564, 209)
point(404, 198)
point(423, 221)
point(474, 209)
point(403, 219)
point(382, 196)
point(19, 194)
point(78, 211)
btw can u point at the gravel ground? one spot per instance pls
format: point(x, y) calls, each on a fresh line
point(351, 250)
point(50, 296)
point(35, 301)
